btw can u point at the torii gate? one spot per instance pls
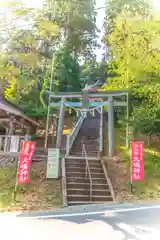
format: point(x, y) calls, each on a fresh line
point(85, 104)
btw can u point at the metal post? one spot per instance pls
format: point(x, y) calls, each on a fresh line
point(60, 124)
point(110, 127)
point(26, 136)
point(47, 127)
point(49, 102)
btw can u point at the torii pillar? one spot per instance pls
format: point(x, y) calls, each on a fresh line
point(60, 124)
point(110, 127)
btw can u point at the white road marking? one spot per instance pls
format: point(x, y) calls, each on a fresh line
point(94, 213)
point(128, 228)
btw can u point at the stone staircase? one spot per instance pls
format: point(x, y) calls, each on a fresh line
point(40, 155)
point(77, 184)
point(89, 135)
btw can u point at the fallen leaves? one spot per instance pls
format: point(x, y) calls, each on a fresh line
point(38, 195)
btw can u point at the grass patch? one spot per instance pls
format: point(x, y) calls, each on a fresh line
point(120, 140)
point(7, 182)
point(39, 194)
point(150, 187)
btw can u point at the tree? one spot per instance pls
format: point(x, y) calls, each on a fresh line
point(116, 7)
point(77, 21)
point(66, 74)
point(92, 71)
point(134, 47)
point(27, 58)
point(134, 53)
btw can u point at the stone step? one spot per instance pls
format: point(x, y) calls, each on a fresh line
point(79, 185)
point(83, 197)
point(39, 158)
point(71, 179)
point(88, 144)
point(75, 203)
point(81, 191)
point(81, 159)
point(93, 149)
point(82, 174)
point(82, 164)
point(89, 154)
point(88, 148)
point(41, 149)
point(82, 169)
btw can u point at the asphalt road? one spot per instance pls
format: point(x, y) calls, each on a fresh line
point(113, 222)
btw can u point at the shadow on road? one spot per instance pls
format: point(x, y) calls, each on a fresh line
point(131, 224)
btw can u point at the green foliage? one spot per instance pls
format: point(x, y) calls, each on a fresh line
point(143, 119)
point(11, 92)
point(148, 189)
point(77, 20)
point(132, 43)
point(116, 7)
point(66, 72)
point(92, 71)
point(134, 64)
point(47, 28)
point(55, 36)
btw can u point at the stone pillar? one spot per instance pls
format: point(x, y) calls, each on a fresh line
point(55, 126)
point(110, 127)
point(27, 133)
point(9, 133)
point(60, 124)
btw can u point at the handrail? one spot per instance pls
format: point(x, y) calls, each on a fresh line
point(108, 180)
point(71, 137)
point(87, 169)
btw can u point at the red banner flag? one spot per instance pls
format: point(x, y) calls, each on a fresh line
point(25, 160)
point(137, 158)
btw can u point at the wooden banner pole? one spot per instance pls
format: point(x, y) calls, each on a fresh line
point(16, 183)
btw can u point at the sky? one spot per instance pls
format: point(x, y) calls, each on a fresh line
point(156, 4)
point(99, 22)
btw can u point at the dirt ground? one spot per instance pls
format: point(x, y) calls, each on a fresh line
point(37, 195)
point(119, 176)
point(119, 170)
